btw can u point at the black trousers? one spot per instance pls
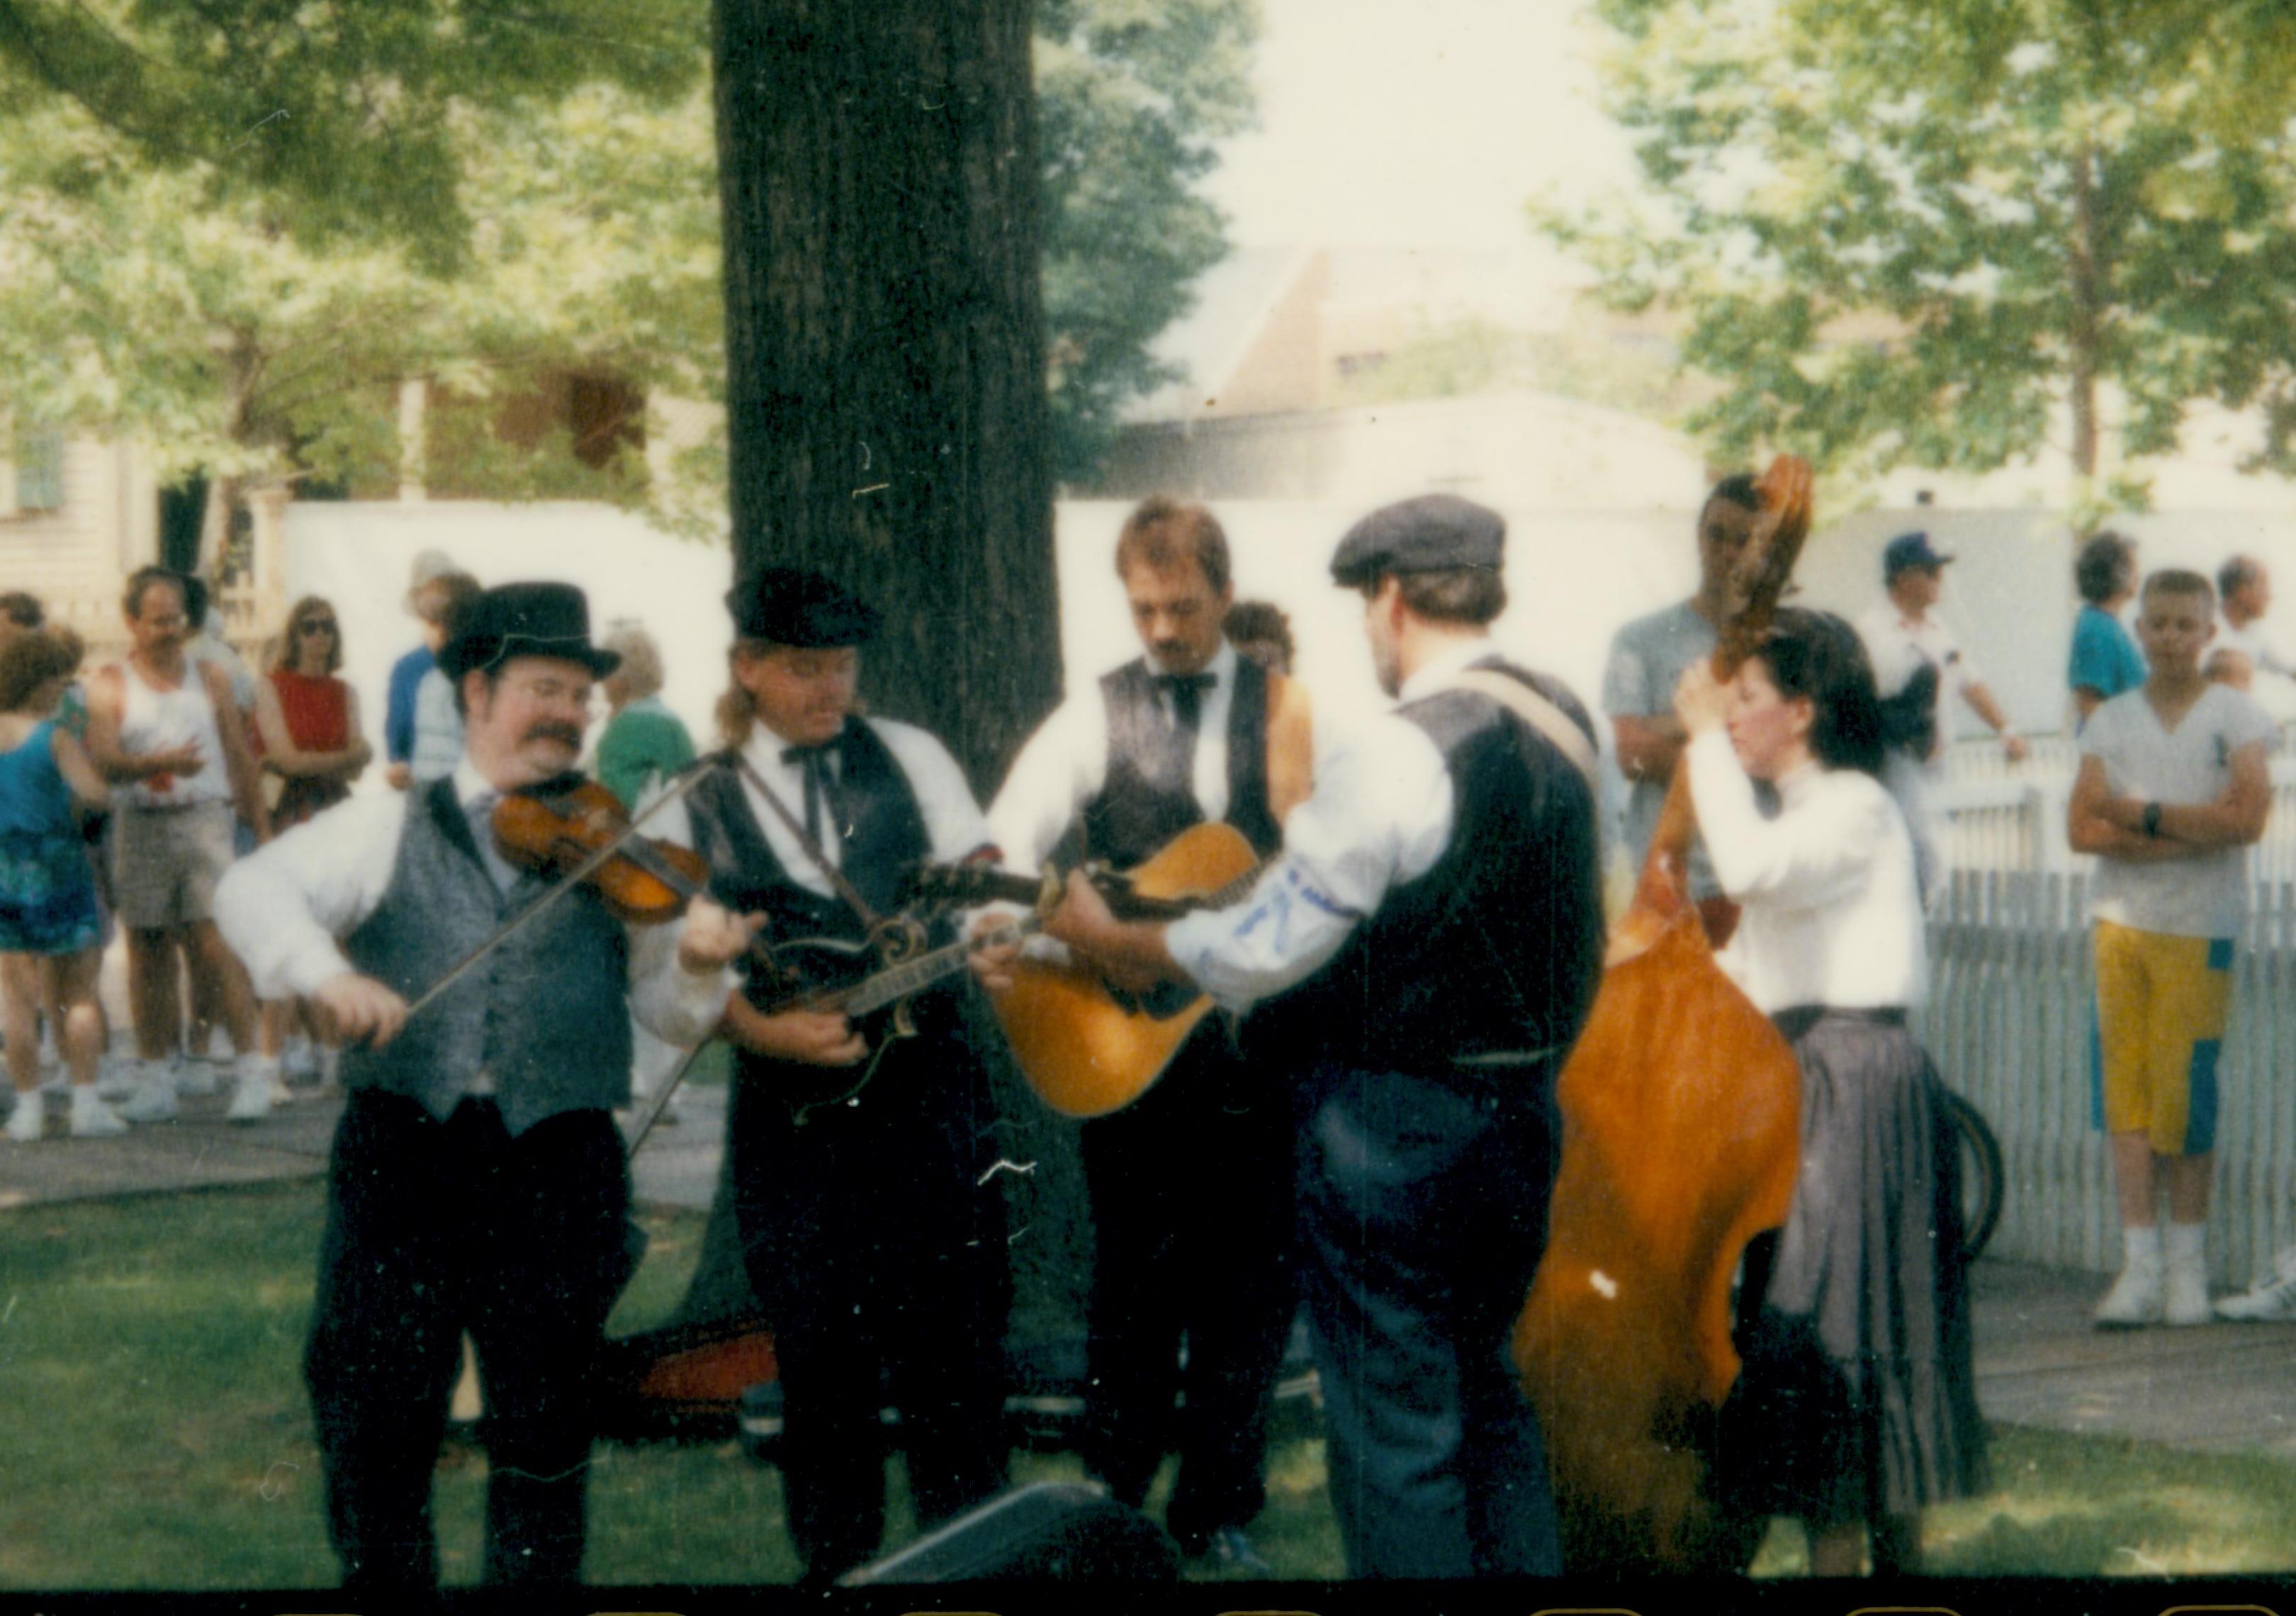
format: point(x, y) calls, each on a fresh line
point(438, 1228)
point(1192, 1210)
point(878, 1254)
point(1423, 1214)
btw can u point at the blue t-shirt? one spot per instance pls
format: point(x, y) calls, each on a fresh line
point(34, 799)
point(2104, 659)
point(399, 706)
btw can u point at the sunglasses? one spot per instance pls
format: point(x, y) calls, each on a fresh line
point(312, 625)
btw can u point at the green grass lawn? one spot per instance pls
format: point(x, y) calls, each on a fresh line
point(153, 1433)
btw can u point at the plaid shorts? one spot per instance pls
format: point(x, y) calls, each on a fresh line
point(166, 862)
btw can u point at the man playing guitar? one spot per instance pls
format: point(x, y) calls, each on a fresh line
point(1190, 1187)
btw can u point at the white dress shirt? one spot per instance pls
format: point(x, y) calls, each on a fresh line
point(282, 907)
point(1065, 764)
point(1832, 915)
point(1381, 816)
point(954, 823)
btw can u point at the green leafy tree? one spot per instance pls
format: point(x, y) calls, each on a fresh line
point(1132, 97)
point(1956, 232)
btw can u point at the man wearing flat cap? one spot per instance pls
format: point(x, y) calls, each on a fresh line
point(1430, 939)
point(477, 1180)
point(871, 1228)
point(1187, 733)
point(1919, 668)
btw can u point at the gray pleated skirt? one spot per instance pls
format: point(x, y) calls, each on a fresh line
point(1859, 1400)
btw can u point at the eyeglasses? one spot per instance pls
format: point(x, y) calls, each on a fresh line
point(318, 625)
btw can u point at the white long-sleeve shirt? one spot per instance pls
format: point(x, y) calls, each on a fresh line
point(283, 908)
point(1381, 816)
point(1833, 915)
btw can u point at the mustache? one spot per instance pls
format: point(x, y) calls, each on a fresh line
point(567, 735)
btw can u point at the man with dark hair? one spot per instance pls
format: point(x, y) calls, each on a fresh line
point(1647, 658)
point(477, 1181)
point(18, 610)
point(1187, 733)
point(2105, 661)
point(166, 730)
point(1431, 940)
point(1919, 670)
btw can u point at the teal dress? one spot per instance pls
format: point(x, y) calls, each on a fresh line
point(47, 893)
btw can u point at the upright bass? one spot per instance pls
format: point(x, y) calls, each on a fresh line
point(1681, 1109)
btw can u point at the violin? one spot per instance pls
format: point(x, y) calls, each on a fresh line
point(558, 830)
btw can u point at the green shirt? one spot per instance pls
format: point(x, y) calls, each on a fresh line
point(643, 743)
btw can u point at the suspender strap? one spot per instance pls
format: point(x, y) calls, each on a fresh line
point(1541, 714)
point(789, 822)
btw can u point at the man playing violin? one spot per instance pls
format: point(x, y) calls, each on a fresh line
point(872, 1228)
point(477, 1182)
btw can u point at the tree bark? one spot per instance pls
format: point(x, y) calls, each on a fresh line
point(2085, 275)
point(885, 347)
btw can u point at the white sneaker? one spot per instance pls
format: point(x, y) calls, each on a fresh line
point(117, 1077)
point(2269, 1299)
point(155, 1100)
point(2185, 1295)
point(330, 1064)
point(91, 1118)
point(197, 1078)
point(27, 1122)
point(2136, 1298)
point(250, 1095)
point(298, 1060)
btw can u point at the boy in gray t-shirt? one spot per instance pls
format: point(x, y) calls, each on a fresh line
point(2172, 788)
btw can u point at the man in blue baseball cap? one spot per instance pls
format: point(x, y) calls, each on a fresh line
point(1919, 667)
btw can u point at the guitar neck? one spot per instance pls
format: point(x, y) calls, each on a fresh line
point(984, 886)
point(913, 976)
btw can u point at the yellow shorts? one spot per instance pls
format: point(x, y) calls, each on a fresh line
point(2161, 1004)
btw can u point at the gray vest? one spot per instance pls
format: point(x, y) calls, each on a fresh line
point(545, 1015)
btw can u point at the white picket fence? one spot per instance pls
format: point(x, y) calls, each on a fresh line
point(2010, 1023)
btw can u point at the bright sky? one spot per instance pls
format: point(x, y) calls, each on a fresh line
point(1416, 123)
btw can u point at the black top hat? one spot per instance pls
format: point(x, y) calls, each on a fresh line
point(790, 606)
point(523, 621)
point(1433, 533)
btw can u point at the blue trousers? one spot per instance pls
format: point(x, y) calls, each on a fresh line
point(1424, 1212)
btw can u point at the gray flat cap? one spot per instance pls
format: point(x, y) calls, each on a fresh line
point(1433, 533)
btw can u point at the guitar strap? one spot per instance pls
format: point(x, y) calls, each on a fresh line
point(1541, 714)
point(806, 840)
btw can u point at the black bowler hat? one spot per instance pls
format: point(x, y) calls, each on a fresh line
point(1433, 533)
point(790, 606)
point(523, 621)
point(1908, 551)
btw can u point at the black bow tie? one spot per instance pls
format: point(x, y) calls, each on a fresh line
point(1187, 693)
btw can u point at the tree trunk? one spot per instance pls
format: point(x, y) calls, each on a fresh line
point(2085, 276)
point(884, 341)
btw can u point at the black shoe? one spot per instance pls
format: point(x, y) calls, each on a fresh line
point(1227, 1551)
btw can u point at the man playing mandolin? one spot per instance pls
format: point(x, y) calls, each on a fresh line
point(1429, 939)
point(477, 1182)
point(1191, 1186)
point(872, 1225)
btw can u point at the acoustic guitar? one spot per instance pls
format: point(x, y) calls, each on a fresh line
point(1084, 1048)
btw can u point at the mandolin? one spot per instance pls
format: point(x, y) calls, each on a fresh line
point(1084, 1049)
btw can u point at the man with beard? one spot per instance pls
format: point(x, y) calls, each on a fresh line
point(477, 1182)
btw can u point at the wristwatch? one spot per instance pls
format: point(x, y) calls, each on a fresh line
point(2153, 819)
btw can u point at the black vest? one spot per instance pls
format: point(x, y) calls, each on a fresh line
point(1498, 947)
point(545, 1015)
point(884, 830)
point(1149, 794)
